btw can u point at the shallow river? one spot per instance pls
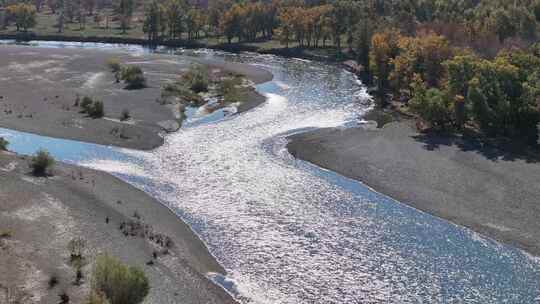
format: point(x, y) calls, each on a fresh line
point(288, 232)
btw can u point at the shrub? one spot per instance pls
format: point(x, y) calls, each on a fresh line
point(125, 115)
point(115, 67)
point(3, 144)
point(96, 298)
point(5, 234)
point(197, 78)
point(94, 108)
point(97, 110)
point(121, 284)
point(42, 163)
point(133, 76)
point(86, 104)
point(179, 90)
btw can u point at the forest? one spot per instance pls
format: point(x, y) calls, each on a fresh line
point(456, 64)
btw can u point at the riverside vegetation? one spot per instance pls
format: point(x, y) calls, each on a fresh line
point(461, 64)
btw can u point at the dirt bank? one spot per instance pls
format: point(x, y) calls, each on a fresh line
point(39, 216)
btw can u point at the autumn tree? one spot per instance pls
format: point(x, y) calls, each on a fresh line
point(24, 15)
point(423, 55)
point(384, 48)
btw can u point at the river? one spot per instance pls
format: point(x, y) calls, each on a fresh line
point(287, 231)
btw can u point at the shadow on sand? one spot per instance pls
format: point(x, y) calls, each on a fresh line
point(492, 148)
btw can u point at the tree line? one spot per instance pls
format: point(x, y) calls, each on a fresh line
point(453, 62)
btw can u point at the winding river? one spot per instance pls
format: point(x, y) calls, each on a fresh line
point(289, 232)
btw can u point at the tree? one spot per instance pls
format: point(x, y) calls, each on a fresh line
point(89, 6)
point(38, 4)
point(286, 18)
point(53, 5)
point(152, 21)
point(362, 47)
point(23, 14)
point(230, 22)
point(174, 10)
point(124, 8)
point(384, 48)
point(503, 25)
point(536, 10)
point(339, 16)
point(423, 55)
point(433, 105)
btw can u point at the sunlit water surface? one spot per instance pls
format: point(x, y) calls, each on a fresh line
point(289, 232)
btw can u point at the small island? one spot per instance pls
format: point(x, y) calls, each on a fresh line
point(55, 92)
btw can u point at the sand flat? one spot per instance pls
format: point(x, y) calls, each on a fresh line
point(487, 190)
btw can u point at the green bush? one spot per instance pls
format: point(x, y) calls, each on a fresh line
point(133, 76)
point(197, 79)
point(179, 90)
point(432, 105)
point(125, 115)
point(94, 108)
point(42, 163)
point(97, 110)
point(115, 67)
point(86, 104)
point(3, 144)
point(120, 283)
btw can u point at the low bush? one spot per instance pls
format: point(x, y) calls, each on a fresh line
point(115, 67)
point(133, 76)
point(97, 110)
point(3, 144)
point(197, 78)
point(228, 88)
point(94, 108)
point(179, 90)
point(125, 115)
point(86, 104)
point(121, 284)
point(42, 163)
point(5, 234)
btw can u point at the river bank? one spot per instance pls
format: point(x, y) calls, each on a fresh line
point(481, 187)
point(40, 87)
point(39, 216)
point(227, 47)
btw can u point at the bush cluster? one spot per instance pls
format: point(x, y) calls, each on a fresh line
point(133, 76)
point(94, 108)
point(42, 163)
point(197, 78)
point(119, 283)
